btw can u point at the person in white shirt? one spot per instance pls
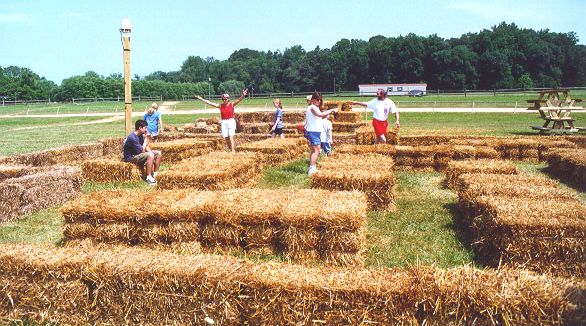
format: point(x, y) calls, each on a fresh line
point(314, 127)
point(326, 136)
point(381, 106)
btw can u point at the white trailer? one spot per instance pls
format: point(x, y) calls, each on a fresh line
point(392, 89)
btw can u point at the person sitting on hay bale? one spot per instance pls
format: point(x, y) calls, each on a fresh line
point(154, 123)
point(314, 127)
point(227, 113)
point(381, 106)
point(137, 151)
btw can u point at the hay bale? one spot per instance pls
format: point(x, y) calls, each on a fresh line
point(457, 168)
point(8, 171)
point(365, 135)
point(372, 174)
point(139, 286)
point(347, 116)
point(112, 147)
point(424, 140)
point(108, 170)
point(276, 151)
point(345, 126)
point(30, 193)
point(569, 166)
point(177, 150)
point(518, 148)
point(527, 233)
point(222, 171)
point(382, 149)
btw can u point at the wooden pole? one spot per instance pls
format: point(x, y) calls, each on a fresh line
point(127, 86)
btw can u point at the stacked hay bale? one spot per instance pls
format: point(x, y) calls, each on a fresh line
point(421, 158)
point(345, 121)
point(365, 135)
point(62, 155)
point(445, 153)
point(552, 144)
point(29, 193)
point(203, 126)
point(261, 122)
point(112, 147)
point(524, 221)
point(382, 149)
point(177, 150)
point(370, 173)
point(122, 286)
point(8, 171)
point(250, 220)
point(456, 168)
point(569, 165)
point(276, 151)
point(213, 171)
point(110, 170)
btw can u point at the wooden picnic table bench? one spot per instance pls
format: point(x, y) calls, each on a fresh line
point(556, 111)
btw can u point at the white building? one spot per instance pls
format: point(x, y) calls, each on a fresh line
point(392, 89)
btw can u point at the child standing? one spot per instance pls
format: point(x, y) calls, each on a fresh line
point(277, 128)
point(154, 123)
point(326, 135)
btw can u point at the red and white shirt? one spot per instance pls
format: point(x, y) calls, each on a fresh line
point(381, 109)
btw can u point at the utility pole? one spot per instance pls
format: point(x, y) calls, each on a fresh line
point(125, 31)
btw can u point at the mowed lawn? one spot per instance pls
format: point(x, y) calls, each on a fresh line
point(422, 231)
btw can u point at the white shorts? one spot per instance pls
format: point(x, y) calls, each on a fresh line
point(228, 127)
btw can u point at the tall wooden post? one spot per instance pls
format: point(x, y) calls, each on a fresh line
point(127, 86)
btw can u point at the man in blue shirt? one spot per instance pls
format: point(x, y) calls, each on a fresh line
point(138, 152)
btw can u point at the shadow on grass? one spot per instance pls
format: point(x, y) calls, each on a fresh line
point(463, 232)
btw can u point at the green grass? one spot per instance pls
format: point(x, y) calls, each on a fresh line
point(422, 230)
point(46, 225)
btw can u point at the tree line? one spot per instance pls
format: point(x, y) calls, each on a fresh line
point(504, 56)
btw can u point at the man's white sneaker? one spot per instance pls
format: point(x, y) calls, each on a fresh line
point(312, 170)
point(151, 181)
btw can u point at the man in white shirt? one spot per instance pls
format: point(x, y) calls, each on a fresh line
point(381, 106)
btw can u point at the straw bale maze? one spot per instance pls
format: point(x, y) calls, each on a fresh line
point(208, 245)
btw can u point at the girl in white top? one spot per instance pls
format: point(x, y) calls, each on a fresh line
point(313, 127)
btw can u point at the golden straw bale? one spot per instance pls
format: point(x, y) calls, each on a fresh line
point(177, 150)
point(337, 258)
point(346, 106)
point(222, 171)
point(112, 146)
point(29, 193)
point(371, 173)
point(342, 241)
point(569, 165)
point(8, 171)
point(247, 206)
point(365, 135)
point(107, 170)
point(124, 233)
point(345, 126)
point(327, 105)
point(256, 128)
point(518, 148)
point(215, 233)
point(383, 149)
point(275, 151)
point(139, 286)
point(347, 116)
point(259, 238)
point(46, 301)
point(486, 152)
point(424, 140)
point(456, 168)
point(522, 232)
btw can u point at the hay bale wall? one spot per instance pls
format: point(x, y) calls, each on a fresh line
point(138, 286)
point(365, 135)
point(456, 168)
point(252, 220)
point(177, 150)
point(213, 171)
point(276, 151)
point(54, 156)
point(372, 174)
point(524, 221)
point(110, 170)
point(569, 166)
point(29, 193)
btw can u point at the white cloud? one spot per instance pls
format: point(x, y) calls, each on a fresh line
point(14, 18)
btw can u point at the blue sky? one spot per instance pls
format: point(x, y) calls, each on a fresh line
point(63, 38)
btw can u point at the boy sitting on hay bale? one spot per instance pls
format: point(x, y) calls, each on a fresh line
point(137, 151)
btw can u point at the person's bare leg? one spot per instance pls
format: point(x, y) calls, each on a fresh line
point(282, 136)
point(149, 165)
point(314, 155)
point(157, 163)
point(382, 139)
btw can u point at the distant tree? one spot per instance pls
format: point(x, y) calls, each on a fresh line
point(232, 87)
